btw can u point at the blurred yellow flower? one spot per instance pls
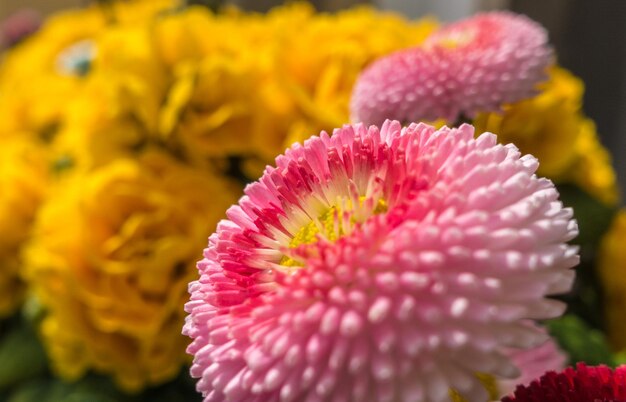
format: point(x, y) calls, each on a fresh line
point(320, 82)
point(612, 274)
point(278, 78)
point(552, 127)
point(211, 108)
point(593, 170)
point(41, 74)
point(36, 77)
point(23, 179)
point(110, 258)
point(98, 128)
point(118, 105)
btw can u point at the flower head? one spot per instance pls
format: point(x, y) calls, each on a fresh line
point(53, 63)
point(379, 264)
point(109, 261)
point(583, 384)
point(474, 65)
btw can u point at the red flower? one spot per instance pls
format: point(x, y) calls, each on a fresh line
point(585, 384)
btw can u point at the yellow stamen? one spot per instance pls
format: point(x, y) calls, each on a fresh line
point(455, 39)
point(331, 223)
point(488, 382)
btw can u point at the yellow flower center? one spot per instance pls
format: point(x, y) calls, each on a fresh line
point(331, 224)
point(488, 382)
point(455, 39)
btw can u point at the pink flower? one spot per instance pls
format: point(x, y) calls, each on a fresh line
point(18, 26)
point(475, 65)
point(533, 363)
point(385, 264)
point(585, 384)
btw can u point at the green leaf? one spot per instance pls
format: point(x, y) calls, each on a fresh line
point(582, 343)
point(87, 397)
point(94, 388)
point(90, 389)
point(21, 356)
point(32, 391)
point(182, 388)
point(594, 217)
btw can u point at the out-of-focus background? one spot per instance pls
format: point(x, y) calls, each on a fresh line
point(589, 36)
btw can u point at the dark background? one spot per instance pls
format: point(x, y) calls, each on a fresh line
point(590, 40)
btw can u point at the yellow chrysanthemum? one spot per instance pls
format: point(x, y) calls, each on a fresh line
point(89, 82)
point(98, 128)
point(320, 82)
point(128, 61)
point(23, 179)
point(36, 78)
point(117, 107)
point(264, 88)
point(212, 106)
point(552, 127)
point(39, 75)
point(612, 273)
point(593, 171)
point(110, 259)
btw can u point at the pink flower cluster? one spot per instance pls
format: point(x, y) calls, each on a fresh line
point(474, 65)
point(389, 264)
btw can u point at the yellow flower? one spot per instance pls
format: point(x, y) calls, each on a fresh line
point(35, 78)
point(593, 171)
point(137, 11)
point(552, 127)
point(211, 108)
point(612, 273)
point(110, 258)
point(98, 127)
point(117, 108)
point(278, 78)
point(41, 74)
point(23, 179)
point(127, 62)
point(320, 82)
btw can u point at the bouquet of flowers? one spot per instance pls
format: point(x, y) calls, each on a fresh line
point(396, 251)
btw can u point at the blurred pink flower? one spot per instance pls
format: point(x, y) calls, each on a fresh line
point(18, 26)
point(385, 264)
point(471, 66)
point(533, 363)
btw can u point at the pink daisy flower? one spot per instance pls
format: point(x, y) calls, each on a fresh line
point(475, 65)
point(583, 384)
point(385, 264)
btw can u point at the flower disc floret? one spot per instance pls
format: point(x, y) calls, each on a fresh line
point(425, 253)
point(471, 66)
